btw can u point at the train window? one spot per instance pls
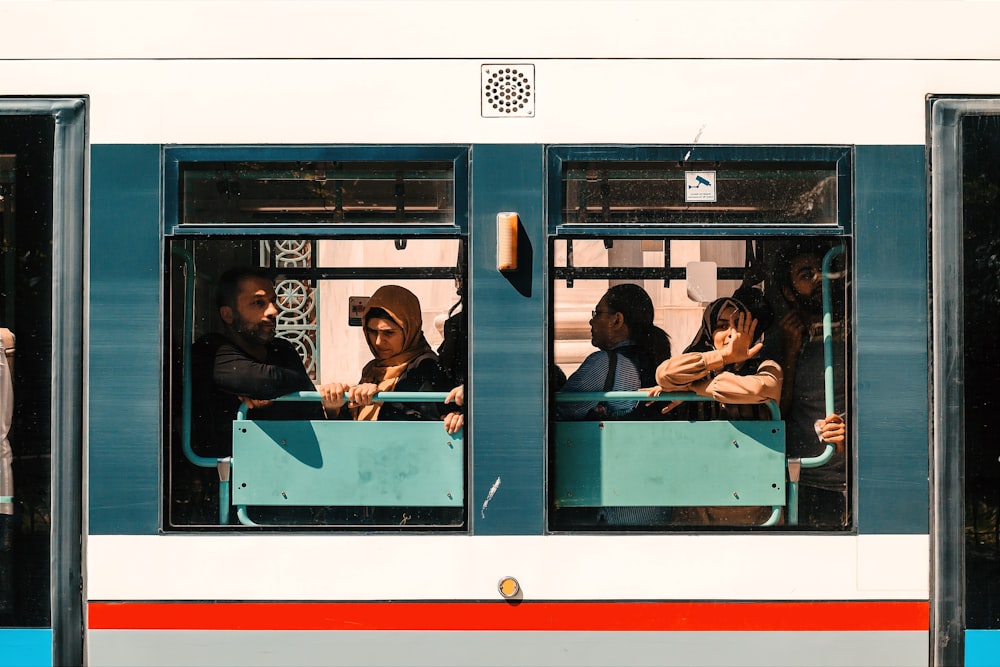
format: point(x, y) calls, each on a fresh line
point(316, 192)
point(235, 459)
point(746, 339)
point(699, 193)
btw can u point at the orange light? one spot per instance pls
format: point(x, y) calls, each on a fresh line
point(507, 224)
point(509, 587)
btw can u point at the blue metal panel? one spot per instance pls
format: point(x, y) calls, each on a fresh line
point(506, 338)
point(891, 396)
point(982, 648)
point(125, 351)
point(25, 647)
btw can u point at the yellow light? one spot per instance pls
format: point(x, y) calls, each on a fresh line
point(509, 587)
point(507, 225)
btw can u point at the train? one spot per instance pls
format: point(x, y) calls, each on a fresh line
point(508, 164)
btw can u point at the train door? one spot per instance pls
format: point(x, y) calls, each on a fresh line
point(42, 158)
point(965, 217)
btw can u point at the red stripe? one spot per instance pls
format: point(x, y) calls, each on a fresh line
point(565, 616)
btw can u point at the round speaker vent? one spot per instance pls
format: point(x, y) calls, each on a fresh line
point(508, 90)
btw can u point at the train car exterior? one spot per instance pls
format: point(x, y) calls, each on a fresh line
point(344, 145)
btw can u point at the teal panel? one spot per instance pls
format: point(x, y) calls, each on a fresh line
point(25, 647)
point(124, 343)
point(507, 336)
point(319, 463)
point(891, 334)
point(671, 463)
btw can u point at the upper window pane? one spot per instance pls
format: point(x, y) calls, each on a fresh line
point(711, 193)
point(317, 192)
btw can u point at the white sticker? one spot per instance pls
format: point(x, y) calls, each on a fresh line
point(699, 186)
point(356, 308)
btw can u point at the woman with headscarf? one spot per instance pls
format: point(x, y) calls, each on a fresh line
point(404, 361)
point(721, 363)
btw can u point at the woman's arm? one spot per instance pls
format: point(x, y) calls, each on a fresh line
point(762, 386)
point(680, 372)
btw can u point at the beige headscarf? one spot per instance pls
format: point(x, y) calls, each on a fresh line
point(403, 307)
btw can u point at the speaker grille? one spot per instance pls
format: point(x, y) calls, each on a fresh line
point(508, 90)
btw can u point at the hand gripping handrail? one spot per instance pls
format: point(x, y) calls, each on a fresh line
point(380, 397)
point(600, 396)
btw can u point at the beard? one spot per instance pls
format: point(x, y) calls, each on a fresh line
point(254, 333)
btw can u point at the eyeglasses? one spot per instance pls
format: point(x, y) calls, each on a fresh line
point(595, 312)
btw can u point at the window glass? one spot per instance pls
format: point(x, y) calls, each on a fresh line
point(980, 174)
point(317, 192)
point(743, 383)
point(691, 193)
point(26, 186)
point(304, 465)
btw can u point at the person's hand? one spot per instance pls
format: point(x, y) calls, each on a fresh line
point(457, 394)
point(793, 329)
point(737, 347)
point(332, 395)
point(453, 421)
point(833, 430)
point(254, 403)
point(360, 395)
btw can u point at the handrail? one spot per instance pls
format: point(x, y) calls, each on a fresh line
point(583, 396)
point(828, 451)
point(189, 453)
point(379, 397)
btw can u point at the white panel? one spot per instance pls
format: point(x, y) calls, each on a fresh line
point(386, 101)
point(499, 30)
point(888, 562)
point(424, 567)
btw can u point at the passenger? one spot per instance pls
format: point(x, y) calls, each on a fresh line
point(403, 362)
point(246, 364)
point(822, 490)
point(630, 348)
point(720, 362)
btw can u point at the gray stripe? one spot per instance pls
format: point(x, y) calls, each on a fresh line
point(133, 648)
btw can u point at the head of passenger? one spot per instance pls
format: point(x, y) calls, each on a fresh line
point(247, 305)
point(393, 326)
point(801, 278)
point(718, 322)
point(625, 312)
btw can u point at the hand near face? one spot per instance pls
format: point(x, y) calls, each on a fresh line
point(793, 328)
point(736, 344)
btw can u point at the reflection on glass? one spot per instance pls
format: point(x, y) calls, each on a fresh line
point(320, 192)
point(743, 193)
point(316, 293)
point(980, 170)
point(676, 467)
